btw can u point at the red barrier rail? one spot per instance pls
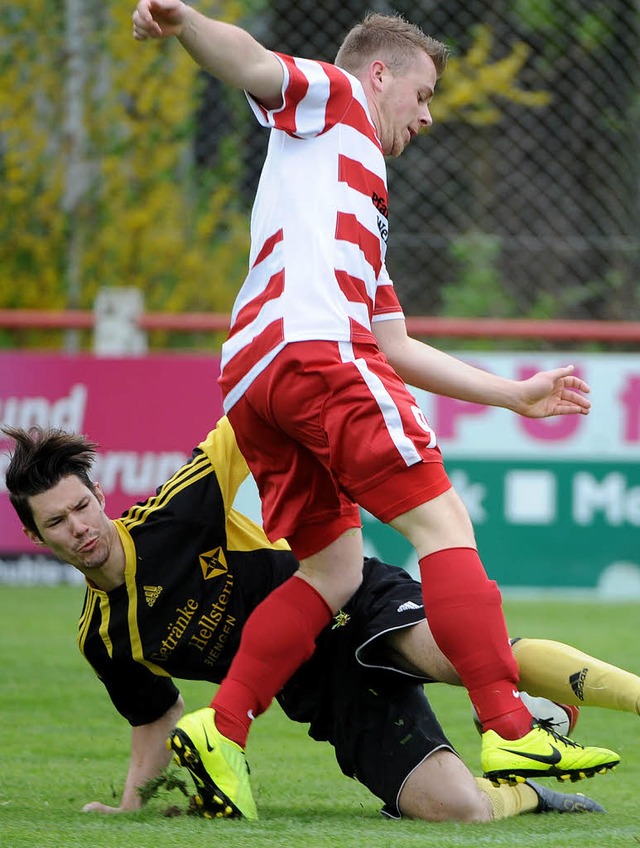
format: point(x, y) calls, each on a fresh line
point(469, 328)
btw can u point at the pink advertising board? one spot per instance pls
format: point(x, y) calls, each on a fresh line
point(146, 414)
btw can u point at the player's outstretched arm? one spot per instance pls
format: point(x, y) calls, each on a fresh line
point(226, 51)
point(547, 393)
point(149, 757)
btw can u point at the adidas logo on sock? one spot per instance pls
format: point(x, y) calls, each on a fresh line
point(576, 681)
point(409, 605)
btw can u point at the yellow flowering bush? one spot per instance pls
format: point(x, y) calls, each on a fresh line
point(474, 85)
point(98, 182)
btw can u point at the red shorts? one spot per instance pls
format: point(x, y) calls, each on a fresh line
point(328, 426)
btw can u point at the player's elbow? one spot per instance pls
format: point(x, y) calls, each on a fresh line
point(174, 713)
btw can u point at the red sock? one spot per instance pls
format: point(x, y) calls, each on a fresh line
point(277, 639)
point(464, 611)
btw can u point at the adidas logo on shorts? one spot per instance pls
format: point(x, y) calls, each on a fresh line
point(409, 605)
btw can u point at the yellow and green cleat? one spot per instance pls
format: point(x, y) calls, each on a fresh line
point(216, 764)
point(541, 753)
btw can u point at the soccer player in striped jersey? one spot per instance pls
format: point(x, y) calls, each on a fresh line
point(170, 585)
point(314, 377)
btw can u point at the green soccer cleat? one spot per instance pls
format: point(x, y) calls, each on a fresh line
point(216, 764)
point(541, 753)
point(550, 801)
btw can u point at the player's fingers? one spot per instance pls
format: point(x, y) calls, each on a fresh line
point(144, 26)
point(577, 383)
point(564, 371)
point(138, 25)
point(572, 404)
point(570, 409)
point(95, 807)
point(577, 398)
point(141, 15)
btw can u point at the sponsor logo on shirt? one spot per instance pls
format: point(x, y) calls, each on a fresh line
point(176, 630)
point(227, 629)
point(213, 563)
point(214, 627)
point(380, 203)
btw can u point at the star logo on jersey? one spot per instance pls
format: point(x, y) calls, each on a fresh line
point(213, 563)
point(151, 594)
point(340, 619)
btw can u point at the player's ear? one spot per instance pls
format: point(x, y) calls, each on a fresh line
point(33, 537)
point(377, 72)
point(97, 488)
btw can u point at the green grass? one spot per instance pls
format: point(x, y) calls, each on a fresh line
point(63, 745)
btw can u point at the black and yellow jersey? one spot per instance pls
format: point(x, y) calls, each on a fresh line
point(195, 569)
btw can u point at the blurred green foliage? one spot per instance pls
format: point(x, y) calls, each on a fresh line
point(475, 85)
point(99, 183)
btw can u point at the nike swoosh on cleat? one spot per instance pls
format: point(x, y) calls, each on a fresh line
point(211, 747)
point(550, 759)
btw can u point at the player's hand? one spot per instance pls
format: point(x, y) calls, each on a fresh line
point(555, 392)
point(158, 19)
point(98, 807)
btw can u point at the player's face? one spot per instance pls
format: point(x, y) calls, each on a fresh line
point(403, 106)
point(73, 524)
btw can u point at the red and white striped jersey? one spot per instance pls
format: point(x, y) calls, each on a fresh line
point(318, 228)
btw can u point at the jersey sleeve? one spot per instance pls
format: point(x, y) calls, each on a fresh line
point(386, 305)
point(231, 470)
point(229, 465)
point(316, 96)
point(140, 696)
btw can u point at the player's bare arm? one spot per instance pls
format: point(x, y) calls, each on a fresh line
point(149, 757)
point(547, 393)
point(226, 51)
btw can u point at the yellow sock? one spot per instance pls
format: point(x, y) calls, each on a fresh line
point(562, 673)
point(508, 801)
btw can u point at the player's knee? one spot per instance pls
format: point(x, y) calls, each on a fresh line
point(469, 806)
point(460, 809)
point(443, 789)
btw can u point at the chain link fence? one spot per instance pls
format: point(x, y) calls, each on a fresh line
point(514, 205)
point(121, 164)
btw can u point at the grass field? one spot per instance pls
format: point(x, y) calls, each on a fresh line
point(64, 745)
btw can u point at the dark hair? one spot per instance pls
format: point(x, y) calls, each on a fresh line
point(390, 38)
point(40, 459)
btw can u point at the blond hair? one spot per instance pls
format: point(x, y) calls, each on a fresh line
point(390, 38)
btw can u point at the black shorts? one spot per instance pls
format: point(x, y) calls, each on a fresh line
point(375, 715)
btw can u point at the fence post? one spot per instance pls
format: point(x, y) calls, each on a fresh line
point(117, 311)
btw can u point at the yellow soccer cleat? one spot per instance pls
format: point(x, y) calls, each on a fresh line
point(216, 764)
point(541, 753)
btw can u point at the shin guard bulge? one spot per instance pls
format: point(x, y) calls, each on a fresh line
point(277, 639)
point(464, 611)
